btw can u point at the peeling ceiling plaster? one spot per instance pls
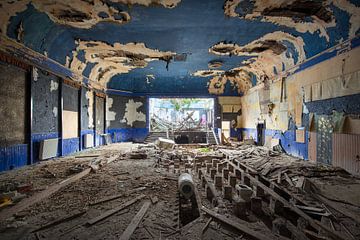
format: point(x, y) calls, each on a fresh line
point(111, 60)
point(119, 42)
point(304, 16)
point(79, 13)
point(268, 53)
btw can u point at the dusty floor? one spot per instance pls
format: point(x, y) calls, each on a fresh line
point(143, 169)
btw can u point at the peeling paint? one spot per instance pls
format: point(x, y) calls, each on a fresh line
point(90, 98)
point(110, 115)
point(35, 73)
point(207, 73)
point(268, 53)
point(354, 13)
point(55, 111)
point(149, 77)
point(53, 85)
point(111, 60)
point(239, 79)
point(164, 3)
point(131, 114)
point(304, 16)
point(215, 64)
point(79, 13)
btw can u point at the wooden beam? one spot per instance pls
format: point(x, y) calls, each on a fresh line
point(115, 210)
point(314, 223)
point(116, 196)
point(59, 221)
point(28, 202)
point(212, 188)
point(242, 228)
point(206, 226)
point(135, 222)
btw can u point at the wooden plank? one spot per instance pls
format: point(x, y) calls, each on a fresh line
point(107, 199)
point(135, 222)
point(212, 188)
point(206, 226)
point(244, 229)
point(88, 156)
point(113, 197)
point(59, 221)
point(287, 178)
point(312, 209)
point(279, 178)
point(314, 223)
point(300, 182)
point(28, 202)
point(337, 207)
point(115, 210)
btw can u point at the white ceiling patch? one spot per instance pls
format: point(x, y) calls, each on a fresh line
point(131, 113)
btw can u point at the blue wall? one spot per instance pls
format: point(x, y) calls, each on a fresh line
point(13, 156)
point(287, 140)
point(128, 134)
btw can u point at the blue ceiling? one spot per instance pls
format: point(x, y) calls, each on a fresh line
point(192, 27)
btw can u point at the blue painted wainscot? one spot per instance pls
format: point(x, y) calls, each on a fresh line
point(13, 156)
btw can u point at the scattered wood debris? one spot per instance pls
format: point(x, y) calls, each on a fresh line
point(135, 222)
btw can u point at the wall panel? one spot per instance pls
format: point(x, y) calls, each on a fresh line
point(346, 152)
point(70, 112)
point(13, 120)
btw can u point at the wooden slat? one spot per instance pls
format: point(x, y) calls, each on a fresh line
point(135, 221)
point(113, 197)
point(314, 223)
point(244, 229)
point(115, 210)
point(59, 221)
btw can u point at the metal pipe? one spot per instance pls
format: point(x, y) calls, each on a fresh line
point(186, 185)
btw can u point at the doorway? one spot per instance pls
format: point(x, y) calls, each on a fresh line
point(181, 114)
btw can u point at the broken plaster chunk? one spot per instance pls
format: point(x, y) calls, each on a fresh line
point(165, 143)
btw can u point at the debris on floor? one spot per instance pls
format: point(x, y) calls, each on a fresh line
point(173, 191)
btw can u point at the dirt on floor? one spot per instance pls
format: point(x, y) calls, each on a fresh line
point(124, 172)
